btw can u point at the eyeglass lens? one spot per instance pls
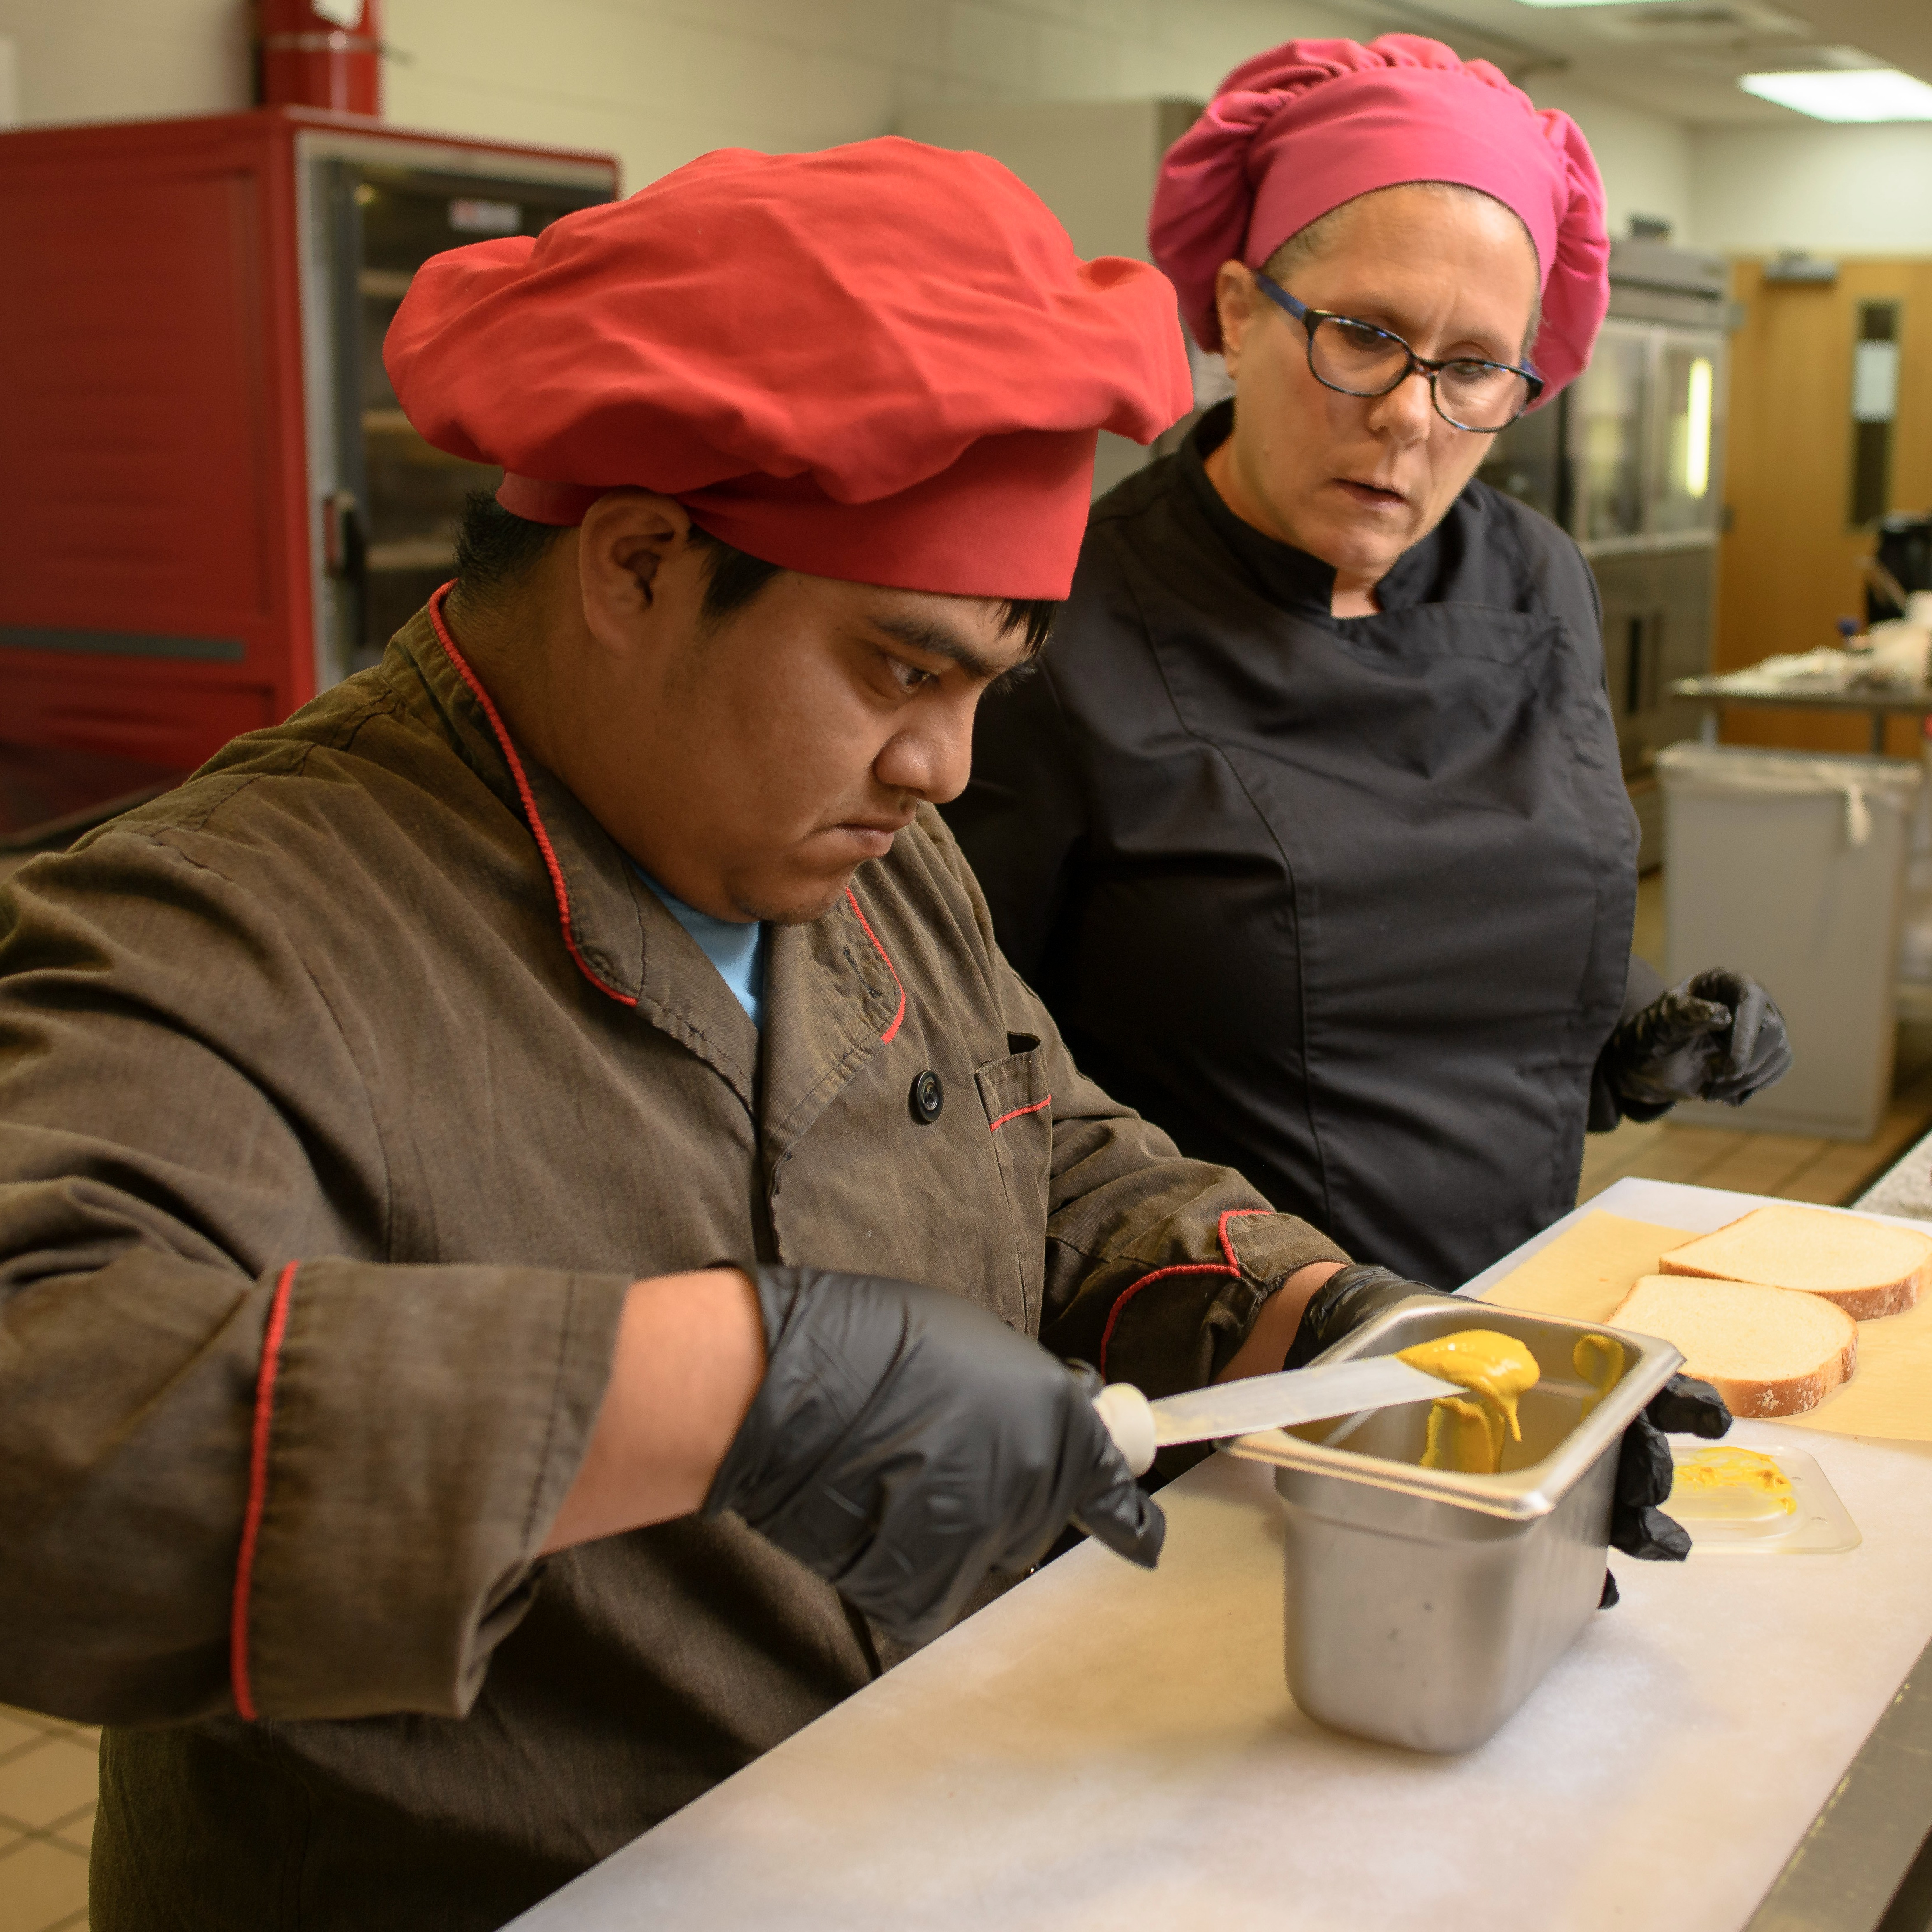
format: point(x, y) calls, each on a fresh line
point(1364, 362)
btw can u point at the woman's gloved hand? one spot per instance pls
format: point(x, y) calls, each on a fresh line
point(1355, 1295)
point(1684, 1406)
point(1716, 1036)
point(904, 1443)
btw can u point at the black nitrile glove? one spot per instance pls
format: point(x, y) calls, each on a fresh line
point(1356, 1294)
point(904, 1443)
point(1716, 1036)
point(1350, 1297)
point(1682, 1407)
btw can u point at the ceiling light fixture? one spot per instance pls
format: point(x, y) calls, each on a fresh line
point(1862, 93)
point(1595, 3)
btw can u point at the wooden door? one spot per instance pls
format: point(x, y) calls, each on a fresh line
point(1789, 561)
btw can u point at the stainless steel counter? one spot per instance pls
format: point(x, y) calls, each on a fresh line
point(1879, 1819)
point(1103, 1744)
point(1905, 1188)
point(1866, 1864)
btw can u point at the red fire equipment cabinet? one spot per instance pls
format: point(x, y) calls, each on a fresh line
point(210, 506)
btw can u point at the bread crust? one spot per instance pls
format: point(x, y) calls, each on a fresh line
point(1792, 1397)
point(1789, 1395)
point(1861, 1304)
point(1871, 1303)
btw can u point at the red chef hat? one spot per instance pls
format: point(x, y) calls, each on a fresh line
point(882, 362)
point(1305, 127)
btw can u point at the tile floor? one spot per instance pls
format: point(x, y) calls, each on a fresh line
point(48, 1773)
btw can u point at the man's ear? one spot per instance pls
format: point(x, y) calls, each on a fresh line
point(1234, 293)
point(635, 557)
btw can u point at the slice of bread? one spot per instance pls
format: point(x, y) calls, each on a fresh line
point(1769, 1350)
point(1868, 1268)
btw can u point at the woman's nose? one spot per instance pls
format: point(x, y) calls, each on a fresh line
point(1406, 412)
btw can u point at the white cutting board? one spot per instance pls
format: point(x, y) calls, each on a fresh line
point(1106, 1747)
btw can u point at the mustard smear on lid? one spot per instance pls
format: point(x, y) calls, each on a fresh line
point(1755, 1480)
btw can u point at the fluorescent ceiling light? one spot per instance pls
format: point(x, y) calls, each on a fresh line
point(1594, 3)
point(1865, 93)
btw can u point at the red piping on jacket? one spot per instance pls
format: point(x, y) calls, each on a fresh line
point(1018, 1110)
point(885, 1038)
point(516, 765)
point(1230, 1266)
point(258, 1490)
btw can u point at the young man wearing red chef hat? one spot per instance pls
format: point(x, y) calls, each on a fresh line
point(463, 1154)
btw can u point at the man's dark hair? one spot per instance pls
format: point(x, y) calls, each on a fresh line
point(1035, 615)
point(496, 551)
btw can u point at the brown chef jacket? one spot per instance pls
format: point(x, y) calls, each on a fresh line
point(342, 1092)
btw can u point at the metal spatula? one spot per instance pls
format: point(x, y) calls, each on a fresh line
point(1139, 1427)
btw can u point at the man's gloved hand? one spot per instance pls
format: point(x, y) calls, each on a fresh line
point(1350, 1297)
point(904, 1443)
point(1716, 1036)
point(1356, 1294)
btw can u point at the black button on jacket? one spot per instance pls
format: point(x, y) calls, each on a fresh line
point(1344, 903)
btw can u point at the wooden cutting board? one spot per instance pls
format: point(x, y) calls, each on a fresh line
point(1586, 1272)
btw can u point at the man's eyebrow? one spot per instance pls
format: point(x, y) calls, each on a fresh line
point(936, 640)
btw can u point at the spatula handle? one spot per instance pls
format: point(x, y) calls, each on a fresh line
point(1129, 1421)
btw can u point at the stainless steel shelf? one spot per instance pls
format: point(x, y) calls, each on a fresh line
point(1658, 543)
point(1892, 699)
point(1878, 702)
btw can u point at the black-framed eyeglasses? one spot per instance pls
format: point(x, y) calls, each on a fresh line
point(1356, 358)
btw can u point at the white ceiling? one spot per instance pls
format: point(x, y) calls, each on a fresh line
point(1681, 58)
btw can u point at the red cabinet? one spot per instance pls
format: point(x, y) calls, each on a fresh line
point(210, 505)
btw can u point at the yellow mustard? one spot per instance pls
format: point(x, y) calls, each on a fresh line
point(1599, 1359)
point(1465, 1432)
point(1761, 1480)
point(1463, 1435)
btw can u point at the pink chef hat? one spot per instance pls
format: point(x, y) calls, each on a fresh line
point(1300, 130)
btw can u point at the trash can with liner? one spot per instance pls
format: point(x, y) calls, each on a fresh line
point(1790, 865)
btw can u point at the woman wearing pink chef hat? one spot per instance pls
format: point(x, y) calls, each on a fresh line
point(1312, 831)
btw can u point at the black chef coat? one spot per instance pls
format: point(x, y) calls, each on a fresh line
point(1344, 903)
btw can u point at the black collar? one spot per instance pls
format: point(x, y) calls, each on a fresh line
point(1283, 574)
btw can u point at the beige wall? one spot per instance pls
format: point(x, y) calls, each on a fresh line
point(1829, 190)
point(660, 81)
point(1644, 159)
point(107, 60)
